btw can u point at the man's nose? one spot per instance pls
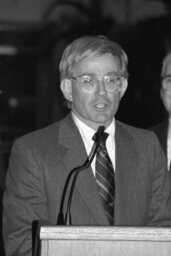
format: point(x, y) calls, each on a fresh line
point(100, 88)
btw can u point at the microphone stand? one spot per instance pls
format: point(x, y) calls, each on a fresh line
point(75, 172)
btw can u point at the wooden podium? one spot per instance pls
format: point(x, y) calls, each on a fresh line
point(104, 241)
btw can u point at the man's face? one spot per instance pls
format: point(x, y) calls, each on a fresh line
point(166, 89)
point(98, 107)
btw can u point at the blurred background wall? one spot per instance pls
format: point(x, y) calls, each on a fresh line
point(33, 34)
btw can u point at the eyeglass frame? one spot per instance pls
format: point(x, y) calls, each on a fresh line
point(95, 81)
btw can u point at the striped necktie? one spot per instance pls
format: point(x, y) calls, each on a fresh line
point(105, 179)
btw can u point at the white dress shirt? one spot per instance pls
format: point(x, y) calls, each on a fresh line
point(87, 134)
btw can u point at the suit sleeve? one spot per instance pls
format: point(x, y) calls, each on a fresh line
point(24, 200)
point(160, 203)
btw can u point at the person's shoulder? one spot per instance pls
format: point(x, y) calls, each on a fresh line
point(38, 142)
point(144, 140)
point(140, 136)
point(133, 130)
point(46, 133)
point(41, 133)
point(159, 126)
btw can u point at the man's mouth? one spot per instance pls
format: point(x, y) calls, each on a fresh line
point(101, 105)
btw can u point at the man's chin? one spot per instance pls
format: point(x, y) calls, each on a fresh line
point(103, 120)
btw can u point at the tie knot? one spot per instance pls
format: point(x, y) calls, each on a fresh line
point(101, 139)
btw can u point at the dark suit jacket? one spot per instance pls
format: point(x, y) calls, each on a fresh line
point(40, 163)
point(161, 131)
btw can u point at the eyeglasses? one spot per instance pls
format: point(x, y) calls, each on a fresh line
point(166, 82)
point(112, 83)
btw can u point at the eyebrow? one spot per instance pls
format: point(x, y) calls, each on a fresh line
point(93, 74)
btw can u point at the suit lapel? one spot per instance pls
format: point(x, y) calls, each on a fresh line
point(88, 190)
point(125, 173)
point(74, 155)
point(163, 135)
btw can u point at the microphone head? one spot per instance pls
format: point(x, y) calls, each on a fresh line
point(98, 134)
point(101, 129)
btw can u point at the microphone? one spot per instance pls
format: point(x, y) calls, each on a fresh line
point(68, 221)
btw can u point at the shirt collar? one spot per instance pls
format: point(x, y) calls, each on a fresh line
point(87, 132)
point(111, 128)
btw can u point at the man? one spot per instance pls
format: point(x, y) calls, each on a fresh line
point(93, 80)
point(163, 129)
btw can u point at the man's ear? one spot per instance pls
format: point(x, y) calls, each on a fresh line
point(125, 85)
point(161, 93)
point(66, 88)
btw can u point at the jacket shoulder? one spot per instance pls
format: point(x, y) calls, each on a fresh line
point(134, 131)
point(157, 128)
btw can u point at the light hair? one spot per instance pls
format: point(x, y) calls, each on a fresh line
point(89, 46)
point(166, 61)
